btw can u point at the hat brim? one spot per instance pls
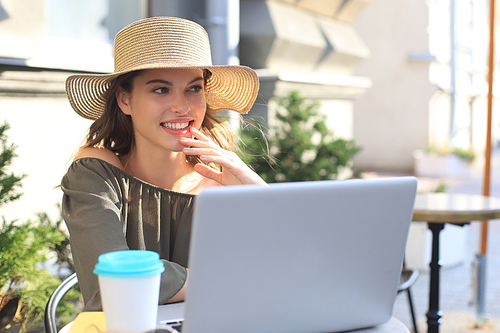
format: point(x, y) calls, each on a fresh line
point(228, 88)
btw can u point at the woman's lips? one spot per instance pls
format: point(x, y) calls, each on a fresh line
point(177, 127)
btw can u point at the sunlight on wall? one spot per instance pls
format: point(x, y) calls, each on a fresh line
point(46, 132)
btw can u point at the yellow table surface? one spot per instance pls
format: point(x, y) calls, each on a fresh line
point(89, 322)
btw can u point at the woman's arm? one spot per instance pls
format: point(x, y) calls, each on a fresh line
point(181, 295)
point(93, 211)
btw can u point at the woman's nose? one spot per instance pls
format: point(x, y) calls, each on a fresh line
point(181, 104)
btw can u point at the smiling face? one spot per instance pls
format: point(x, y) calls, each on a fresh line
point(163, 105)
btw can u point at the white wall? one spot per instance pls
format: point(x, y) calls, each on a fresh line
point(36, 36)
point(339, 117)
point(391, 118)
point(47, 132)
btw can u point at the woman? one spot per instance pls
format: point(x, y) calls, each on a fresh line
point(156, 142)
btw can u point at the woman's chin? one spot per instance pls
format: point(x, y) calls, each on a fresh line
point(178, 148)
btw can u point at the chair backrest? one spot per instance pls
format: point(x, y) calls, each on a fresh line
point(408, 278)
point(55, 298)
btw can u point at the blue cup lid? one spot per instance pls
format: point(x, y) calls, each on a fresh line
point(129, 263)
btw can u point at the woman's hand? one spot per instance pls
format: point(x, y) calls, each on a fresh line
point(233, 170)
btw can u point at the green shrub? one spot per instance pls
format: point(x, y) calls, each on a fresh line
point(9, 183)
point(466, 154)
point(300, 147)
point(25, 248)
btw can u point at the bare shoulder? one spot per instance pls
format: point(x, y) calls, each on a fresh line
point(100, 153)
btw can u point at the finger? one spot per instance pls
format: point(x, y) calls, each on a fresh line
point(221, 160)
point(208, 172)
point(206, 151)
point(196, 143)
point(199, 135)
point(185, 141)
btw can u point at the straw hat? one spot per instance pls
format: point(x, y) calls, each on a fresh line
point(165, 42)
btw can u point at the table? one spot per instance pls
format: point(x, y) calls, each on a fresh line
point(93, 322)
point(392, 326)
point(437, 209)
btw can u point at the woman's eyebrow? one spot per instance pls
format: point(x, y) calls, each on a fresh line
point(168, 83)
point(197, 79)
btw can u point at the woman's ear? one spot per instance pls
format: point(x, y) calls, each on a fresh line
point(123, 100)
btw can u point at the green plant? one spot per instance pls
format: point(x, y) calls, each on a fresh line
point(441, 188)
point(25, 247)
point(300, 147)
point(466, 154)
point(9, 183)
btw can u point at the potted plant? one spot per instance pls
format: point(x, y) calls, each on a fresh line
point(444, 162)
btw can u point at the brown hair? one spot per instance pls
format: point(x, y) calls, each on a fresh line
point(114, 129)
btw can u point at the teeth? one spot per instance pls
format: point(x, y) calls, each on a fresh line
point(175, 126)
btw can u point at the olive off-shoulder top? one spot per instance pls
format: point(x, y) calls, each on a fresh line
point(107, 209)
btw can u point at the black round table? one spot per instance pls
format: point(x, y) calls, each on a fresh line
point(437, 209)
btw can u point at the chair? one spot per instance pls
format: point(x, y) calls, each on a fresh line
point(55, 298)
point(408, 278)
point(8, 312)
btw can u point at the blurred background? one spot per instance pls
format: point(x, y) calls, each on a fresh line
point(404, 80)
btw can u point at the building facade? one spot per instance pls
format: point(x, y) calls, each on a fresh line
point(428, 67)
point(42, 42)
point(305, 45)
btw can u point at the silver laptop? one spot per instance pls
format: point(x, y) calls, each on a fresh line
point(322, 256)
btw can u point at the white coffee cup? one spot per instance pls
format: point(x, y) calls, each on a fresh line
point(129, 283)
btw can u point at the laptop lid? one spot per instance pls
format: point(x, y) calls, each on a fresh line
point(320, 256)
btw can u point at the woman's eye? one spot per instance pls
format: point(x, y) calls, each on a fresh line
point(161, 90)
point(196, 88)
